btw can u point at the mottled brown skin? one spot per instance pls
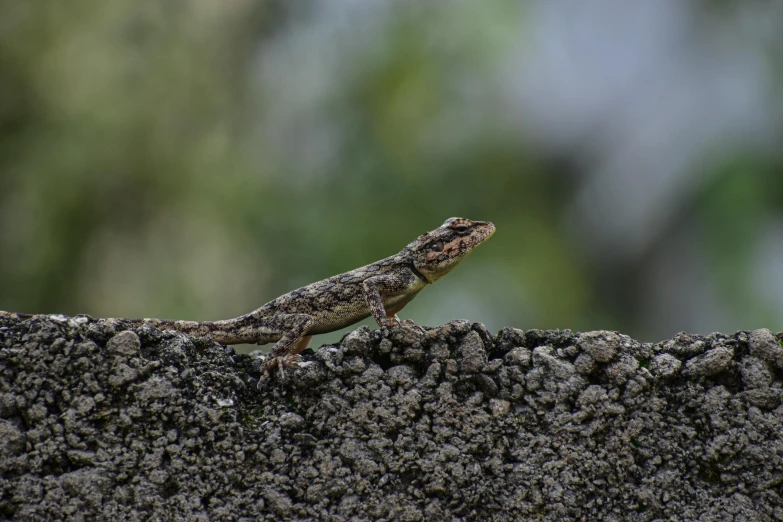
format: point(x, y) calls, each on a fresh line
point(380, 289)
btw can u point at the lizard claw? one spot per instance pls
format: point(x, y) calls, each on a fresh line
point(266, 373)
point(281, 363)
point(288, 360)
point(407, 323)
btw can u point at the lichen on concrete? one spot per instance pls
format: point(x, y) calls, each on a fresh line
point(101, 422)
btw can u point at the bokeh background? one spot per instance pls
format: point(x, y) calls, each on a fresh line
point(195, 159)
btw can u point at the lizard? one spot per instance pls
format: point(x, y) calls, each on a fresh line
point(380, 289)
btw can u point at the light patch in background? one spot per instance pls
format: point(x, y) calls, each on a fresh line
point(766, 277)
point(202, 274)
point(642, 91)
point(678, 293)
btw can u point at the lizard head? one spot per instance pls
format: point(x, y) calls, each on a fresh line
point(437, 252)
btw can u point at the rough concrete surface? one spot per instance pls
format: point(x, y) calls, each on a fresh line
point(101, 423)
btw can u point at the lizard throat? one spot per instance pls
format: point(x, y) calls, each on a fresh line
point(419, 274)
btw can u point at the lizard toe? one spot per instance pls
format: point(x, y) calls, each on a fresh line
point(282, 363)
point(291, 360)
point(265, 375)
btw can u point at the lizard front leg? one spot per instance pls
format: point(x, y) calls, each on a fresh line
point(293, 341)
point(387, 285)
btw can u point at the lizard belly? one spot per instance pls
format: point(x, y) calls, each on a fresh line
point(396, 304)
point(339, 317)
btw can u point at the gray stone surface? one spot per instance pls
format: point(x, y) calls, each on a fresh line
point(396, 424)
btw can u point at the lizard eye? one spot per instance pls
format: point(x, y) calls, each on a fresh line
point(436, 247)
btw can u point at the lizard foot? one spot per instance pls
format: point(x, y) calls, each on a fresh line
point(388, 322)
point(281, 363)
point(287, 360)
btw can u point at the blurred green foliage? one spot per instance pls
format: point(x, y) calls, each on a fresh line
point(170, 159)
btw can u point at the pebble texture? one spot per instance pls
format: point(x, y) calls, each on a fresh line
point(97, 422)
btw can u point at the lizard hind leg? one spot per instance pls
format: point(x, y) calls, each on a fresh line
point(302, 345)
point(285, 352)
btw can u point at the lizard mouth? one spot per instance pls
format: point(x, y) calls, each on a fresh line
point(487, 229)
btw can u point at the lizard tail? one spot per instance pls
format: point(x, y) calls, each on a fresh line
point(195, 328)
point(230, 331)
point(14, 315)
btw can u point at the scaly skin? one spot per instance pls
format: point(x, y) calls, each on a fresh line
point(380, 289)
